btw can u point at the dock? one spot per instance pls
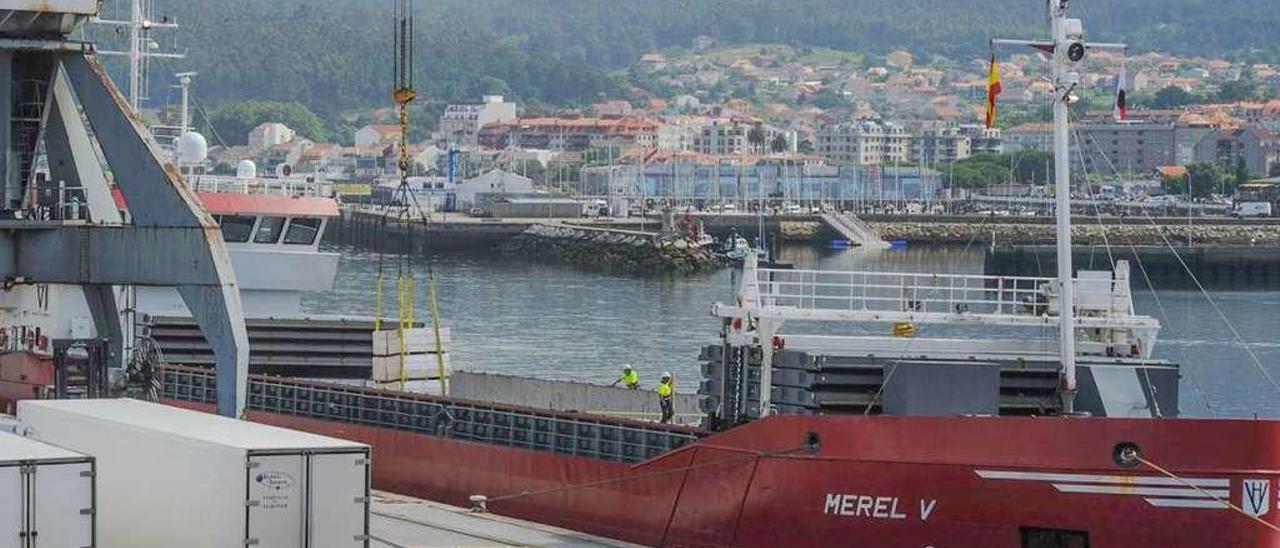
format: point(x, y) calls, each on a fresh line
point(851, 228)
point(397, 521)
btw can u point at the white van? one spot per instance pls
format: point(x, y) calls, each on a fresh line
point(1253, 209)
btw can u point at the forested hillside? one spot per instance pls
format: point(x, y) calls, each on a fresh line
point(333, 55)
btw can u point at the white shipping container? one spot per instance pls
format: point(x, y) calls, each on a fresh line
point(174, 477)
point(416, 340)
point(46, 495)
point(417, 367)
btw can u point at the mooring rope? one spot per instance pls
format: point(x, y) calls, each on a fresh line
point(1131, 454)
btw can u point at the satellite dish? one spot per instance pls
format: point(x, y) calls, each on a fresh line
point(192, 148)
point(246, 169)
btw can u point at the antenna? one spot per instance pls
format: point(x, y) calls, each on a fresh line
point(1067, 48)
point(142, 47)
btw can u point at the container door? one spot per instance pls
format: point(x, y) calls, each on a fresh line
point(12, 507)
point(276, 501)
point(339, 500)
point(62, 505)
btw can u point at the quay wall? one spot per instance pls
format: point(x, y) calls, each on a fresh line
point(1083, 233)
point(372, 229)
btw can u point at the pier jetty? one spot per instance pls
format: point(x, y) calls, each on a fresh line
point(611, 249)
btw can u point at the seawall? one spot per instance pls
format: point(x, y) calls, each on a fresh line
point(614, 250)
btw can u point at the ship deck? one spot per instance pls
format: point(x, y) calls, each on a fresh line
point(398, 521)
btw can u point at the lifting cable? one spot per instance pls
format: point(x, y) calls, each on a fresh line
point(403, 94)
point(754, 455)
point(1146, 276)
point(875, 398)
point(1133, 455)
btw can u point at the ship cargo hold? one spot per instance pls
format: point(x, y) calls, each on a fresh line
point(173, 477)
point(799, 480)
point(46, 495)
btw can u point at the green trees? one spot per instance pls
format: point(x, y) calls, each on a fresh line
point(1205, 178)
point(1243, 89)
point(756, 138)
point(1172, 97)
point(232, 121)
point(981, 170)
point(334, 55)
point(780, 143)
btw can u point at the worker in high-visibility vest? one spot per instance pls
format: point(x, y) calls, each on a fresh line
point(629, 378)
point(666, 386)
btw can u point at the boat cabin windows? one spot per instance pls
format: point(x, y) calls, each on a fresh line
point(302, 231)
point(1036, 537)
point(269, 230)
point(236, 228)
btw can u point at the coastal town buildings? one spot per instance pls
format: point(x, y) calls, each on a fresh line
point(570, 133)
point(864, 142)
point(1109, 149)
point(461, 122)
point(269, 134)
point(377, 134)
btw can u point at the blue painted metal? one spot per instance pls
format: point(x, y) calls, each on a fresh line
point(158, 198)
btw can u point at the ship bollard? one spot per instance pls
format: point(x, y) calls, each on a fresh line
point(479, 504)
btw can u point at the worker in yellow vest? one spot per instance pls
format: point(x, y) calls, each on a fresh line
point(666, 387)
point(629, 378)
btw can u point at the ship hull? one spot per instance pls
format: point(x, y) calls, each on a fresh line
point(873, 481)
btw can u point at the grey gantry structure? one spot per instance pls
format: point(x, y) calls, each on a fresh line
point(67, 135)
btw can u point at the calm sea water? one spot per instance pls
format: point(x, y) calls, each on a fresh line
point(556, 322)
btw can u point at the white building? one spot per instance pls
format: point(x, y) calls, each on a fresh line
point(461, 123)
point(270, 134)
point(732, 136)
point(939, 144)
point(865, 142)
point(494, 182)
point(377, 134)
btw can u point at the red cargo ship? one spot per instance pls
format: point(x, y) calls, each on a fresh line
point(810, 477)
point(1016, 482)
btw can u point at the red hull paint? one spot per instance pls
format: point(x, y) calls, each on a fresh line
point(910, 481)
point(23, 376)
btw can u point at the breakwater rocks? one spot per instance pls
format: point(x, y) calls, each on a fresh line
point(1083, 232)
point(800, 231)
point(621, 251)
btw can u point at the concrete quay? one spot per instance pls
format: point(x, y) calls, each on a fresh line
point(380, 229)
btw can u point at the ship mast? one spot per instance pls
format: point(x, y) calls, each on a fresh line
point(142, 48)
point(1067, 47)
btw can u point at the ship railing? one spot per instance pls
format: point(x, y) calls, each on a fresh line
point(578, 434)
point(275, 187)
point(866, 296)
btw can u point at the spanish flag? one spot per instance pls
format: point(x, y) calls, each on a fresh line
point(993, 90)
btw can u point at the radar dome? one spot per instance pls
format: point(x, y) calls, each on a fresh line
point(247, 170)
point(192, 148)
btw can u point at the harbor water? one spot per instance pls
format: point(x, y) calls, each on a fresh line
point(550, 321)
